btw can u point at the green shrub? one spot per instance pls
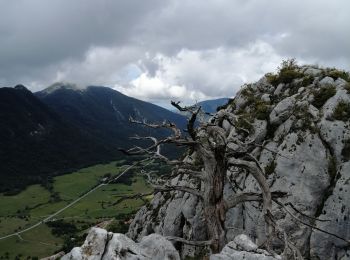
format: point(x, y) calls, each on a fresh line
point(288, 75)
point(342, 111)
point(334, 73)
point(247, 90)
point(347, 88)
point(307, 80)
point(261, 110)
point(287, 72)
point(272, 78)
point(321, 96)
point(244, 121)
point(118, 226)
point(61, 228)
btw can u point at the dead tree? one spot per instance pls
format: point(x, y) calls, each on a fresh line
point(209, 160)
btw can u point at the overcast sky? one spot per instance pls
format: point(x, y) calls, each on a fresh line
point(158, 50)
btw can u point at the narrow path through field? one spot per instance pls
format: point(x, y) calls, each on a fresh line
point(69, 205)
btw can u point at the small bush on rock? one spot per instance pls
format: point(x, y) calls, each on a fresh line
point(347, 88)
point(261, 110)
point(334, 73)
point(322, 95)
point(307, 80)
point(342, 111)
point(287, 72)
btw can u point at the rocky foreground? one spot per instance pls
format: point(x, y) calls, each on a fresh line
point(103, 245)
point(300, 121)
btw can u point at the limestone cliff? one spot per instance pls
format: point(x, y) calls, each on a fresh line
point(300, 119)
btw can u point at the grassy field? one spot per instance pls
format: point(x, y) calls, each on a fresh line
point(33, 204)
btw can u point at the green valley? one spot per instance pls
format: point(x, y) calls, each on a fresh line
point(37, 202)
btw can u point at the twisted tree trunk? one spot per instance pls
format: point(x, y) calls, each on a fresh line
point(212, 153)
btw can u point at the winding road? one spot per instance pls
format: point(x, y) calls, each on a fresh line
point(69, 205)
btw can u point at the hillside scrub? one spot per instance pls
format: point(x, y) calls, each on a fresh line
point(342, 111)
point(287, 72)
point(322, 95)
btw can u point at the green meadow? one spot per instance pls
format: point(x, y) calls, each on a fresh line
point(32, 205)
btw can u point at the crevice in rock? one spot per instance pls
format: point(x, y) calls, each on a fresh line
point(109, 238)
point(333, 174)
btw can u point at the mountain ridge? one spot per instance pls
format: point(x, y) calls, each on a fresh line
point(34, 140)
point(56, 131)
point(104, 113)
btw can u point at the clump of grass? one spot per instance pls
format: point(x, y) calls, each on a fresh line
point(245, 121)
point(272, 78)
point(342, 111)
point(287, 72)
point(335, 73)
point(306, 121)
point(307, 80)
point(257, 107)
point(247, 90)
point(261, 110)
point(347, 88)
point(322, 95)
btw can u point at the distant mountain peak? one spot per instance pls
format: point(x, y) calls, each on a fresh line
point(62, 85)
point(20, 87)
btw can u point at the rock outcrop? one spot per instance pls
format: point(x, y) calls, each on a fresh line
point(301, 120)
point(103, 245)
point(242, 248)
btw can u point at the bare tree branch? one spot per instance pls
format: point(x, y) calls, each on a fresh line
point(168, 188)
point(196, 174)
point(134, 196)
point(168, 125)
point(189, 242)
point(303, 214)
point(233, 201)
point(257, 172)
point(309, 225)
point(194, 112)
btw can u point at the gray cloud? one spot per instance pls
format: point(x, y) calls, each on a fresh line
point(190, 49)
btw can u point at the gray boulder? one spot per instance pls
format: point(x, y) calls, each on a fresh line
point(101, 245)
point(326, 81)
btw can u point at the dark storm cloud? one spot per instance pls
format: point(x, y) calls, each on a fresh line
point(192, 48)
point(38, 33)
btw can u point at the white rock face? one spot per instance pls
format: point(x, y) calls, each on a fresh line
point(327, 81)
point(304, 152)
point(93, 247)
point(282, 110)
point(336, 207)
point(100, 245)
point(279, 89)
point(313, 72)
point(266, 98)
